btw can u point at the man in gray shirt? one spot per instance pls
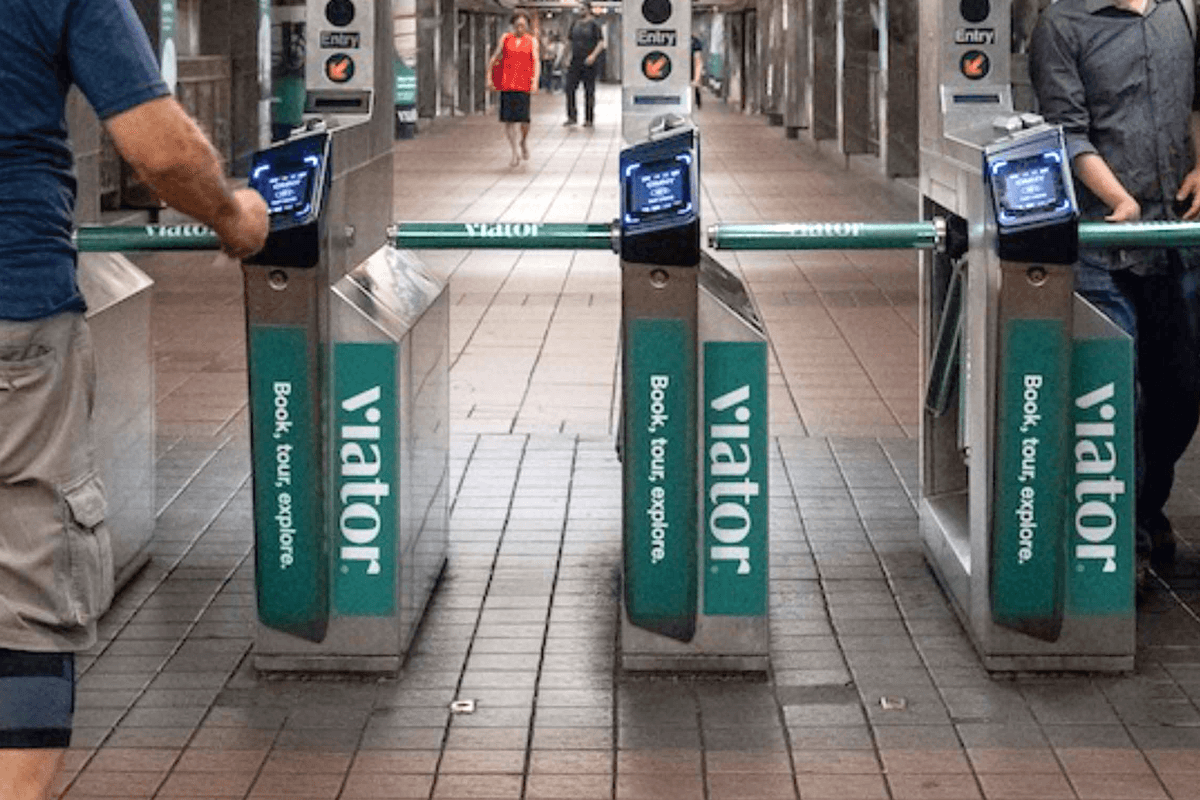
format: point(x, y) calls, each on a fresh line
point(1120, 77)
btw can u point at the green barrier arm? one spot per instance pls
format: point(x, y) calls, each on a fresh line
point(1139, 234)
point(121, 239)
point(826, 236)
point(603, 236)
point(919, 235)
point(504, 235)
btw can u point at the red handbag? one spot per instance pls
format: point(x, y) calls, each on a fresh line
point(498, 67)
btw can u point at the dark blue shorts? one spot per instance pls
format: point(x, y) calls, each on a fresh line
point(37, 699)
point(514, 106)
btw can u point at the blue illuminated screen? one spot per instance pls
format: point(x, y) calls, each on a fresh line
point(287, 192)
point(1030, 185)
point(288, 177)
point(659, 187)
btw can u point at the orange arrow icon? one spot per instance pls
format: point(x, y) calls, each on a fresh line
point(975, 65)
point(339, 69)
point(654, 67)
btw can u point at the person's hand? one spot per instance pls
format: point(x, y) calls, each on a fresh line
point(1190, 188)
point(244, 232)
point(1127, 210)
point(590, 60)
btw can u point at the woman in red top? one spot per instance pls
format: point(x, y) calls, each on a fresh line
point(514, 72)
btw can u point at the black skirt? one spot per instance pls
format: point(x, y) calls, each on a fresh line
point(514, 106)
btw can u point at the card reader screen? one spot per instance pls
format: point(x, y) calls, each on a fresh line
point(658, 187)
point(290, 177)
point(1030, 185)
point(1035, 188)
point(287, 193)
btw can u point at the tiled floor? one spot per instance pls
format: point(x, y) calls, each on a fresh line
point(525, 621)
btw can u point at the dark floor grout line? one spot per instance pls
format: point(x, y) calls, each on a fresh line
point(562, 537)
point(787, 736)
point(780, 714)
point(615, 684)
point(437, 769)
point(191, 478)
point(893, 591)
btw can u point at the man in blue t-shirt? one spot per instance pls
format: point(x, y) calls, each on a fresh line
point(55, 557)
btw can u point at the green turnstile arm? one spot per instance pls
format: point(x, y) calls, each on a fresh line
point(921, 235)
point(826, 236)
point(604, 236)
point(123, 239)
point(1139, 234)
point(505, 235)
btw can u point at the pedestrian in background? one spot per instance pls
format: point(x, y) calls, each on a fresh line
point(514, 69)
point(546, 56)
point(56, 570)
point(585, 43)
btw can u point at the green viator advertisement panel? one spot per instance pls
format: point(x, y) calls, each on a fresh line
point(660, 478)
point(1028, 545)
point(364, 478)
point(291, 554)
point(734, 461)
point(1100, 483)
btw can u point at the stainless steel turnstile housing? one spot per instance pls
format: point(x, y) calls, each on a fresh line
point(957, 456)
point(118, 299)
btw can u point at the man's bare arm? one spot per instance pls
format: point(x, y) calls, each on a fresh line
point(171, 154)
point(1095, 173)
point(1191, 182)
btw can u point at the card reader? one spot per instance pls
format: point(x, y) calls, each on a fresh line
point(293, 177)
point(1033, 197)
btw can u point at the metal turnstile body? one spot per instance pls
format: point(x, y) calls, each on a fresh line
point(348, 342)
point(1022, 338)
point(118, 299)
point(696, 539)
point(383, 432)
point(694, 431)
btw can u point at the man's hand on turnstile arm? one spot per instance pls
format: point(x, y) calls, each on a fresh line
point(1189, 190)
point(1095, 173)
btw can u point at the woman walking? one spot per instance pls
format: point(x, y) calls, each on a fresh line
point(514, 69)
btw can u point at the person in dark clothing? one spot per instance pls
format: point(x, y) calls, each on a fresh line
point(1119, 76)
point(56, 571)
point(585, 43)
point(697, 69)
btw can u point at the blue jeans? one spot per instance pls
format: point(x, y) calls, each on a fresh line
point(1160, 313)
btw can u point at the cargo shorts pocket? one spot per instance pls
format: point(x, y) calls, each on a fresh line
point(23, 367)
point(89, 572)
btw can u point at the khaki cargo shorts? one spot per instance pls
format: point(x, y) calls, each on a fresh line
point(56, 572)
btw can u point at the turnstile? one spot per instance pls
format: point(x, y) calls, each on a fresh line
point(349, 400)
point(1027, 432)
point(693, 430)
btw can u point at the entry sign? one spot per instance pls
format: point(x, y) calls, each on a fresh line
point(340, 59)
point(657, 77)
